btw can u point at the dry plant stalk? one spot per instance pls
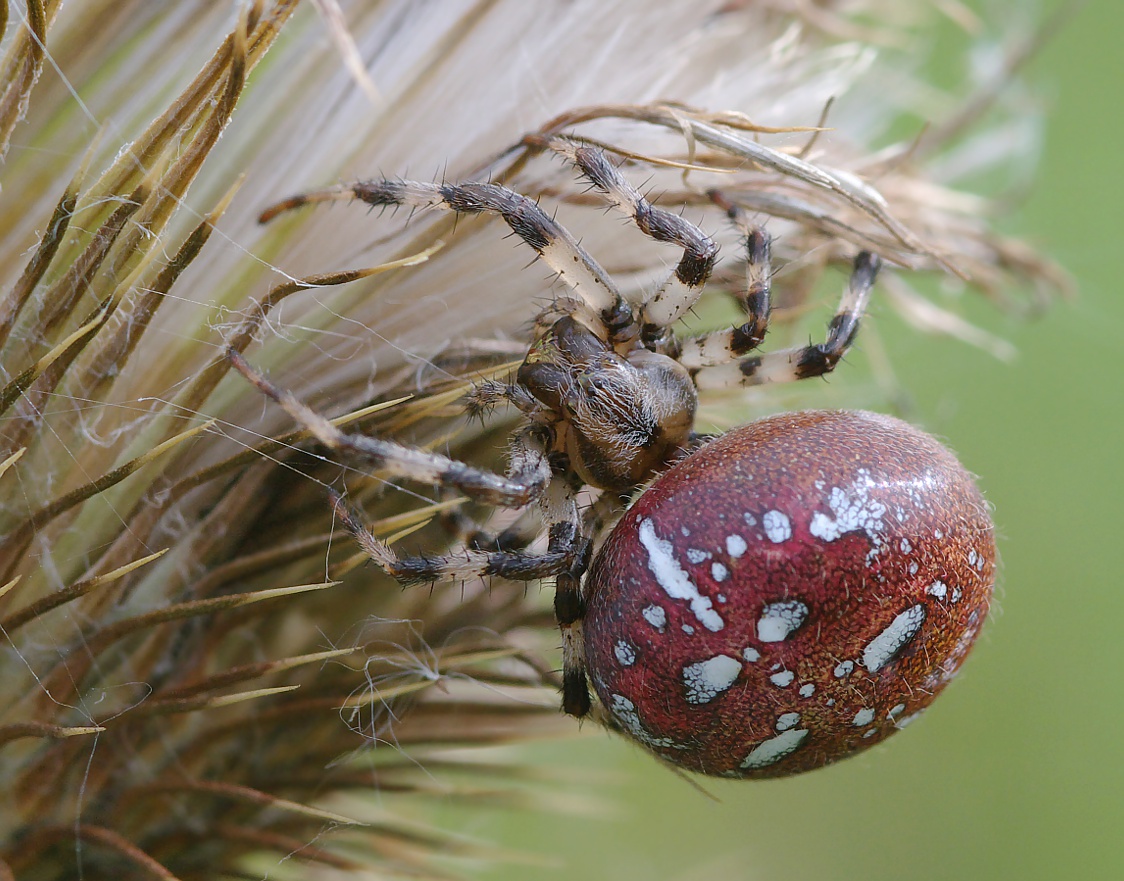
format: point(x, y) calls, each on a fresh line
point(194, 673)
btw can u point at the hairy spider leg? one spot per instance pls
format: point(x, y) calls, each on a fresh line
point(566, 558)
point(723, 346)
point(529, 475)
point(466, 530)
point(458, 565)
point(568, 551)
point(601, 301)
point(683, 287)
point(564, 529)
point(802, 362)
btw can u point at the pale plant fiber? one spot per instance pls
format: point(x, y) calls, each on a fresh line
point(194, 671)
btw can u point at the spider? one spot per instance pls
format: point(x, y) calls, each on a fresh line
point(607, 390)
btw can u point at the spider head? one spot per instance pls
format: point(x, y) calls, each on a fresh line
point(620, 419)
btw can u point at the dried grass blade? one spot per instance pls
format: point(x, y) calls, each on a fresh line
point(195, 608)
point(245, 794)
point(115, 352)
point(17, 730)
point(22, 70)
point(195, 99)
point(52, 509)
point(11, 460)
point(345, 44)
point(17, 619)
point(44, 254)
point(172, 706)
point(928, 317)
point(253, 671)
point(66, 677)
point(858, 194)
point(15, 389)
point(59, 300)
point(296, 846)
point(7, 587)
point(108, 838)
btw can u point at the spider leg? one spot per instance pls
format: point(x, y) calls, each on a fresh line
point(723, 346)
point(560, 512)
point(530, 471)
point(466, 530)
point(566, 558)
point(487, 394)
point(804, 361)
point(601, 516)
point(684, 286)
point(455, 566)
point(601, 300)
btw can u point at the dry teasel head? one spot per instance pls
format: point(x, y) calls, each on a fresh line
point(183, 672)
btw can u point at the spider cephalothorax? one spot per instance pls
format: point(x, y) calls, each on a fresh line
point(618, 418)
point(609, 395)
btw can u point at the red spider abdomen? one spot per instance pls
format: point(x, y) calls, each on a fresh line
point(790, 594)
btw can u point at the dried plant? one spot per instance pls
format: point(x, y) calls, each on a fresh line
point(194, 673)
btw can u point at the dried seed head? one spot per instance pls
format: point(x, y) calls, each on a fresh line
point(112, 325)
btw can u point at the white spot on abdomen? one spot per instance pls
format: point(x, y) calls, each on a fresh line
point(778, 620)
point(782, 679)
point(787, 720)
point(863, 717)
point(777, 527)
point(625, 711)
point(707, 679)
point(735, 546)
point(880, 650)
point(626, 654)
point(843, 668)
point(775, 748)
point(674, 581)
point(853, 509)
point(656, 616)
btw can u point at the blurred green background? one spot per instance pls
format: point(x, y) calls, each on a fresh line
point(1018, 771)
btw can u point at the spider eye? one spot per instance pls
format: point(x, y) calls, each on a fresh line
point(793, 592)
point(592, 383)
